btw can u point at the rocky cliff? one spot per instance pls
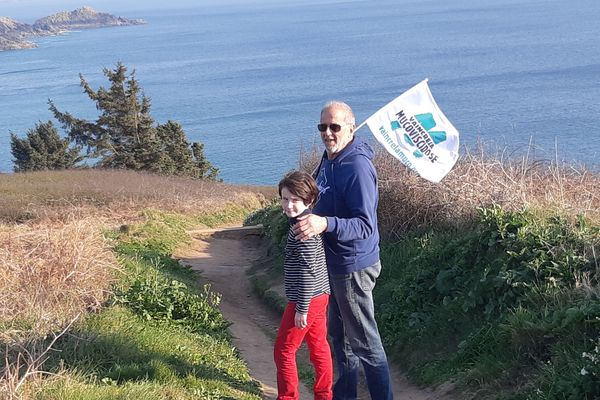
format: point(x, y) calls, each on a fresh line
point(16, 35)
point(13, 35)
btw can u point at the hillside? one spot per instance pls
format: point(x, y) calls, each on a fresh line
point(13, 34)
point(16, 35)
point(94, 307)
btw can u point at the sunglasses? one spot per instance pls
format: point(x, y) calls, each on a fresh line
point(335, 128)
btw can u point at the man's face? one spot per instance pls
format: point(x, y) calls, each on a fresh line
point(335, 142)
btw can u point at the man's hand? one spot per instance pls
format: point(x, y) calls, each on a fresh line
point(300, 320)
point(308, 226)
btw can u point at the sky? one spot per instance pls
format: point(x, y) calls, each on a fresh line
point(29, 10)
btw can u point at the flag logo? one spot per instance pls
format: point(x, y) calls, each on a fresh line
point(413, 129)
point(428, 123)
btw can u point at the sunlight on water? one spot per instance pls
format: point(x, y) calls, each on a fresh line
point(249, 83)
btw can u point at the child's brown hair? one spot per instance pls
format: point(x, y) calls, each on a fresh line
point(300, 184)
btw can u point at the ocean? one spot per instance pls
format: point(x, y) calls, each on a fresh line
point(249, 81)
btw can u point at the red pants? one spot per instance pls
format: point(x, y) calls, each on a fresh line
point(289, 339)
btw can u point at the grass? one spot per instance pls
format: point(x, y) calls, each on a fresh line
point(116, 350)
point(409, 203)
point(112, 196)
point(50, 275)
point(496, 307)
point(163, 339)
point(505, 305)
point(74, 244)
point(490, 278)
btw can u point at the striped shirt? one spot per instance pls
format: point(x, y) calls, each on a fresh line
point(305, 271)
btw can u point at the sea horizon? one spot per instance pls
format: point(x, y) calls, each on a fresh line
point(249, 82)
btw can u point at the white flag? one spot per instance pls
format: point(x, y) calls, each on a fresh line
point(414, 130)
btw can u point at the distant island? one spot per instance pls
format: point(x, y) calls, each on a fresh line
point(15, 35)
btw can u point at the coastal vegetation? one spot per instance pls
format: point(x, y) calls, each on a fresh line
point(16, 35)
point(92, 304)
point(124, 136)
point(490, 278)
point(489, 285)
point(43, 149)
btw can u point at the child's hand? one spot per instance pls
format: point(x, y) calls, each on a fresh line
point(300, 320)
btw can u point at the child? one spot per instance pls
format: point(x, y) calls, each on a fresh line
point(307, 291)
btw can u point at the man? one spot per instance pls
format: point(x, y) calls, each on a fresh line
point(346, 213)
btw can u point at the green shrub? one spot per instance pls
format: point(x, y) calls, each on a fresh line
point(125, 136)
point(274, 221)
point(509, 301)
point(155, 298)
point(43, 149)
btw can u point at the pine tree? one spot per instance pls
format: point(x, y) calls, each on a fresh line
point(124, 136)
point(177, 159)
point(43, 149)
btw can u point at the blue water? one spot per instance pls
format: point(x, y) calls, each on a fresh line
point(249, 81)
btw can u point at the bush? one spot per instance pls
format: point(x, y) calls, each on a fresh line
point(511, 296)
point(274, 221)
point(43, 149)
point(124, 135)
point(158, 299)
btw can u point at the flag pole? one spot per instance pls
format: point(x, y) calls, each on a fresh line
point(360, 126)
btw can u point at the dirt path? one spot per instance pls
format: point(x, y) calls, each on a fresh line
point(222, 257)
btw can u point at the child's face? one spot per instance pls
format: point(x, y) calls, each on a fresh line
point(292, 205)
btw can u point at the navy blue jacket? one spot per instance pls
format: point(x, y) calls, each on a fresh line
point(348, 197)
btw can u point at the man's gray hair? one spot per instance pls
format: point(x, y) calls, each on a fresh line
point(340, 105)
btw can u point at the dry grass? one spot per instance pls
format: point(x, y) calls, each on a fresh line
point(48, 277)
point(38, 264)
point(408, 201)
point(54, 263)
point(114, 195)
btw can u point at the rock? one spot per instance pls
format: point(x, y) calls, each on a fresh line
point(16, 35)
point(81, 18)
point(13, 34)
